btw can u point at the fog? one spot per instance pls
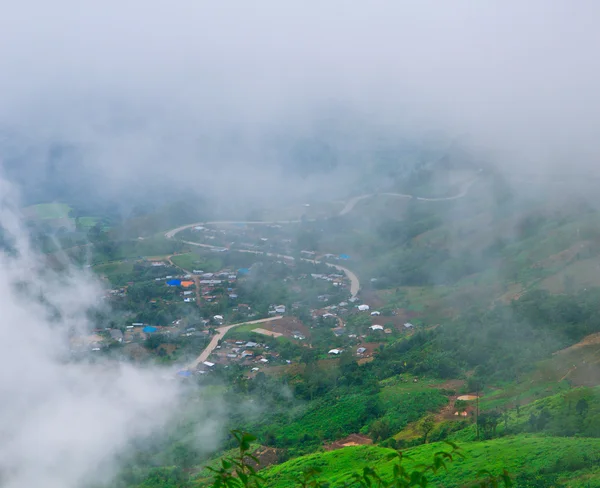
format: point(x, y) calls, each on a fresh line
point(213, 98)
point(200, 95)
point(68, 424)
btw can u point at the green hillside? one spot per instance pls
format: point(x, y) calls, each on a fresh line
point(575, 460)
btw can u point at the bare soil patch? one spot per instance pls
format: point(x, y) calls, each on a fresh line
point(267, 332)
point(351, 440)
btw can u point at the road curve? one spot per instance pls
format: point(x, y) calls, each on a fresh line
point(463, 192)
point(354, 282)
point(221, 331)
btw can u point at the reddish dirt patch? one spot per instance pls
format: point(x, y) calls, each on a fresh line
point(267, 456)
point(351, 440)
point(286, 326)
point(591, 340)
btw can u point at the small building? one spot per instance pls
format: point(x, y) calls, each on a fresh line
point(280, 309)
point(363, 307)
point(361, 350)
point(250, 345)
point(375, 313)
point(408, 325)
point(208, 363)
point(335, 351)
point(376, 327)
point(149, 329)
point(116, 335)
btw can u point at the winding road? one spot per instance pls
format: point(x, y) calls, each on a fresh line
point(354, 281)
point(221, 331)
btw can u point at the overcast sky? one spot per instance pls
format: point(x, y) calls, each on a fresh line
point(136, 83)
point(519, 79)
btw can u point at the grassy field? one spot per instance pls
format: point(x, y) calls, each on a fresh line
point(117, 273)
point(572, 459)
point(45, 211)
point(190, 261)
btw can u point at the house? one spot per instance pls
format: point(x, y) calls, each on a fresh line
point(280, 309)
point(376, 327)
point(251, 345)
point(408, 325)
point(116, 335)
point(247, 354)
point(375, 313)
point(335, 351)
point(208, 363)
point(185, 293)
point(363, 308)
point(361, 350)
point(218, 318)
point(264, 360)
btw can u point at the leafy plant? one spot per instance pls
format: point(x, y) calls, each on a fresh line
point(241, 471)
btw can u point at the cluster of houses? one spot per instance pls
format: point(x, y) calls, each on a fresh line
point(248, 353)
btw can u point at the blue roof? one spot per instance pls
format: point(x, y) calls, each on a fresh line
point(149, 329)
point(243, 271)
point(344, 256)
point(174, 282)
point(185, 373)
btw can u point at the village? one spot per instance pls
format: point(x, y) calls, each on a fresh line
point(246, 303)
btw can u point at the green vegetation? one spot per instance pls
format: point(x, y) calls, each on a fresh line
point(549, 461)
point(194, 260)
point(47, 211)
point(367, 468)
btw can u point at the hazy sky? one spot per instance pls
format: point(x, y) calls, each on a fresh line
point(135, 83)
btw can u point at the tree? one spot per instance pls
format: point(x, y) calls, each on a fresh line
point(582, 407)
point(426, 425)
point(380, 430)
point(460, 405)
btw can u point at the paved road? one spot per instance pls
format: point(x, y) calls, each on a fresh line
point(354, 282)
point(221, 331)
point(463, 191)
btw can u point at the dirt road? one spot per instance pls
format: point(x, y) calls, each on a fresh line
point(221, 331)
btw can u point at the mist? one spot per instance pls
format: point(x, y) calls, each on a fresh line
point(64, 424)
point(132, 101)
point(214, 98)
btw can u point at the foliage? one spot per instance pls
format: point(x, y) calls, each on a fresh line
point(240, 471)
